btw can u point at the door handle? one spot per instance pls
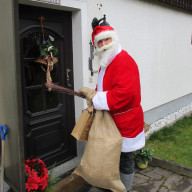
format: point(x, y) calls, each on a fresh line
point(68, 77)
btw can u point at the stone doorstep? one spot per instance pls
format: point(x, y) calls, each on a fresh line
point(69, 184)
point(171, 166)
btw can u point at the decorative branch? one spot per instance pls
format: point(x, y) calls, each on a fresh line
point(62, 89)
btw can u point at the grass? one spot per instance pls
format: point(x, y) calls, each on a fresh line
point(174, 143)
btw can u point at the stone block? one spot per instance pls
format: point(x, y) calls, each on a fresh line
point(141, 176)
point(152, 175)
point(138, 180)
point(163, 189)
point(162, 172)
point(185, 185)
point(69, 184)
point(152, 186)
point(172, 180)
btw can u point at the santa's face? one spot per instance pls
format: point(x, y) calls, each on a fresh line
point(104, 51)
point(103, 42)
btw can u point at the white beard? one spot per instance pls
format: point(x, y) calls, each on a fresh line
point(105, 53)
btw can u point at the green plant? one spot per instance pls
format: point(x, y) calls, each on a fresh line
point(174, 143)
point(47, 49)
point(143, 155)
point(52, 180)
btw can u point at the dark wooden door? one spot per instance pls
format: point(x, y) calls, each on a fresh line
point(48, 117)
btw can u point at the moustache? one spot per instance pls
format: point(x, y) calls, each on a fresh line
point(105, 47)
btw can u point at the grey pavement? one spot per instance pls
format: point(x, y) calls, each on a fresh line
point(153, 179)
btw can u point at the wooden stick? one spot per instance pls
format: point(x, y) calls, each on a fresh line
point(2, 164)
point(62, 89)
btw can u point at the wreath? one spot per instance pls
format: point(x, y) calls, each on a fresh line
point(36, 175)
point(47, 56)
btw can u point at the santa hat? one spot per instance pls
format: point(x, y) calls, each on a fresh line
point(102, 31)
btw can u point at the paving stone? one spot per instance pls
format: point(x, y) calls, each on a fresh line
point(163, 189)
point(69, 184)
point(172, 180)
point(149, 168)
point(185, 186)
point(162, 172)
point(148, 187)
point(141, 176)
point(138, 180)
point(152, 175)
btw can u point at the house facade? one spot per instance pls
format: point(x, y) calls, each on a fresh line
point(157, 34)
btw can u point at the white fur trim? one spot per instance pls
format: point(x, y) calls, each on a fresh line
point(106, 34)
point(133, 144)
point(100, 101)
point(100, 79)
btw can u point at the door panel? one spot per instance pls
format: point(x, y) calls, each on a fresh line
point(48, 117)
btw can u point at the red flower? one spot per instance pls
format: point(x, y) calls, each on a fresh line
point(27, 168)
point(43, 183)
point(41, 163)
point(36, 175)
point(33, 174)
point(44, 173)
point(31, 184)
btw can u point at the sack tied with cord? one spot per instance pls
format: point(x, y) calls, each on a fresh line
point(99, 165)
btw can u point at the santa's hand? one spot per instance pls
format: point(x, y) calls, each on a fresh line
point(89, 93)
point(84, 90)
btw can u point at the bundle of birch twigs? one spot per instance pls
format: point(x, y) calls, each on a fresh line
point(62, 89)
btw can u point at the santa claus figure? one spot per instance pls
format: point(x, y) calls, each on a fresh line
point(118, 91)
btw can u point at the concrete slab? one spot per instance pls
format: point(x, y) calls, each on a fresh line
point(163, 189)
point(149, 168)
point(172, 180)
point(171, 166)
point(153, 175)
point(141, 176)
point(138, 180)
point(69, 184)
point(152, 186)
point(185, 185)
point(162, 172)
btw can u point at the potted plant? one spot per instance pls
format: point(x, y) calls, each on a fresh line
point(143, 156)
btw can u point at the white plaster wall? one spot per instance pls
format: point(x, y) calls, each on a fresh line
point(158, 37)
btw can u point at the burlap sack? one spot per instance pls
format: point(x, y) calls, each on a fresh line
point(100, 162)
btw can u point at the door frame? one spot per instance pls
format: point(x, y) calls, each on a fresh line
point(80, 48)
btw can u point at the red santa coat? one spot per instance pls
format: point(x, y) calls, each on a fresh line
point(121, 95)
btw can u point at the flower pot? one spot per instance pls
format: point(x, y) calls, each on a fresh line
point(142, 165)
